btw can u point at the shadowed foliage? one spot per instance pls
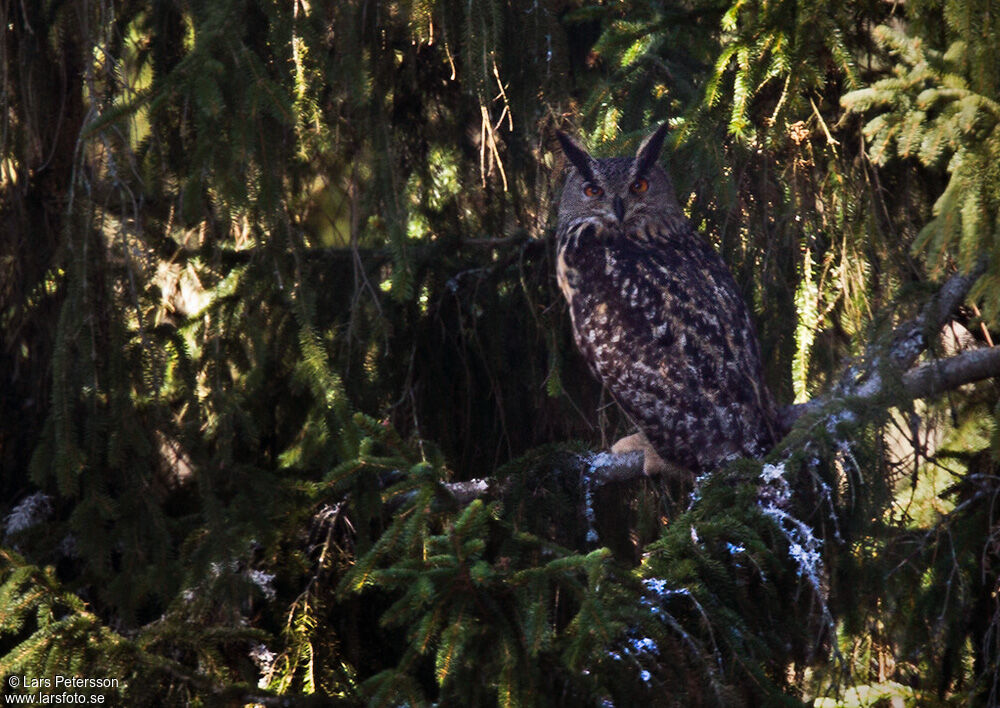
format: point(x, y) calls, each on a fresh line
point(272, 275)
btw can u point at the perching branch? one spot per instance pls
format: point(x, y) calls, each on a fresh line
point(908, 342)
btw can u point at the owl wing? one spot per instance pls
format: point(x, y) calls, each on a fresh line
point(664, 327)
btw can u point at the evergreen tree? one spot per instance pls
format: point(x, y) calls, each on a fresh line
point(290, 413)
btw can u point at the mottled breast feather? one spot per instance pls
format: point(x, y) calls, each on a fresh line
point(657, 315)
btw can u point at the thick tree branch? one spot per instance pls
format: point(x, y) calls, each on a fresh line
point(465, 492)
point(911, 338)
point(908, 342)
point(925, 381)
point(936, 377)
point(597, 469)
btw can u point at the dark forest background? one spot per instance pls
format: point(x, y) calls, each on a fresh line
point(275, 276)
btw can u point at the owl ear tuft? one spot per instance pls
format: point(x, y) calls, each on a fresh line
point(579, 157)
point(649, 150)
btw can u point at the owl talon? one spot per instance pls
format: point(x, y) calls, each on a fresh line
point(652, 463)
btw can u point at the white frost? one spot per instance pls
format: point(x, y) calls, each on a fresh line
point(594, 463)
point(646, 645)
point(263, 581)
point(264, 659)
point(771, 473)
point(31, 511)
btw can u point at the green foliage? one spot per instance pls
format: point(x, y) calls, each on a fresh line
point(275, 276)
point(504, 615)
point(941, 107)
point(48, 632)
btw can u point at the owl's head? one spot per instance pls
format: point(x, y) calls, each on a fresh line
point(617, 190)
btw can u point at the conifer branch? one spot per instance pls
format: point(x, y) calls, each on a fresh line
point(598, 468)
point(465, 492)
point(925, 381)
point(936, 377)
point(907, 343)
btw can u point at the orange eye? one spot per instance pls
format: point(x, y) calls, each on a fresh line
point(592, 190)
point(639, 186)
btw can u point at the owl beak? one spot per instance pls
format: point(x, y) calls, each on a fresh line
point(619, 206)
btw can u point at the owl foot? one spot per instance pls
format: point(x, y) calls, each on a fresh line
point(652, 463)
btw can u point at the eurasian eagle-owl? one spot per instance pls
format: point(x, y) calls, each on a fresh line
point(656, 313)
